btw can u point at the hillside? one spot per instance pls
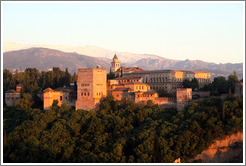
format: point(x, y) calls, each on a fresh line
point(46, 59)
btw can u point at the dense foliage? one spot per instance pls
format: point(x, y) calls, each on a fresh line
point(222, 85)
point(119, 131)
point(191, 84)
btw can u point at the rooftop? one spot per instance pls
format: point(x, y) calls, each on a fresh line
point(166, 71)
point(127, 78)
point(122, 89)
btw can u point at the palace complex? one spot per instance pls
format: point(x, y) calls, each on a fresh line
point(131, 83)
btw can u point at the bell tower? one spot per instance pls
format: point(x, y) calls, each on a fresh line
point(115, 64)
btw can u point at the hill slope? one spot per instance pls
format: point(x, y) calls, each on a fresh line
point(45, 59)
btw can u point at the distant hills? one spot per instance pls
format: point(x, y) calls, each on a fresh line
point(45, 57)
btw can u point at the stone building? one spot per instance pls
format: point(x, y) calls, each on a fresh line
point(12, 97)
point(132, 88)
point(170, 80)
point(64, 95)
point(119, 72)
point(238, 89)
point(115, 64)
point(184, 96)
point(91, 87)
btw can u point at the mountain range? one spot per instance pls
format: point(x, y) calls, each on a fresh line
point(45, 57)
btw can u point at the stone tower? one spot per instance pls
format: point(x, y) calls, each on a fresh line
point(115, 64)
point(91, 87)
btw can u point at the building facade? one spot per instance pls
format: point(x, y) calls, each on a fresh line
point(133, 89)
point(170, 80)
point(64, 95)
point(120, 71)
point(12, 97)
point(91, 87)
point(184, 96)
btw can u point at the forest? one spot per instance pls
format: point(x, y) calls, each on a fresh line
point(118, 132)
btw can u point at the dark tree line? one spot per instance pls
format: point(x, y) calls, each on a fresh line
point(222, 85)
point(119, 131)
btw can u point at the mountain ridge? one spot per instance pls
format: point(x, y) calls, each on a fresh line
point(145, 61)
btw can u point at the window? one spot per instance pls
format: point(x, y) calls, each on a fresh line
point(60, 98)
point(81, 94)
point(88, 94)
point(84, 94)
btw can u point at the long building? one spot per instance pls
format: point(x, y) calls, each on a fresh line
point(170, 80)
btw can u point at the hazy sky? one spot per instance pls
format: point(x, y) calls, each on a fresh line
point(212, 32)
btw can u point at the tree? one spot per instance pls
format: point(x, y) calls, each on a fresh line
point(163, 93)
point(55, 104)
point(110, 76)
point(67, 78)
point(232, 79)
point(74, 78)
point(25, 102)
point(186, 83)
point(229, 93)
point(191, 84)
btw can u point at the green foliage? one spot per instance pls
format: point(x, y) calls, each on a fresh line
point(25, 102)
point(110, 76)
point(191, 84)
point(164, 93)
point(220, 85)
point(119, 131)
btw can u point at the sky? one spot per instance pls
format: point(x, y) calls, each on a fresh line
point(208, 31)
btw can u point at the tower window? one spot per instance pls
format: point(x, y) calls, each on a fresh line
point(60, 98)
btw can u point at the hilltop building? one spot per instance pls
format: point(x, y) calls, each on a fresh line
point(133, 89)
point(91, 87)
point(170, 80)
point(12, 97)
point(183, 96)
point(115, 64)
point(135, 84)
point(122, 70)
point(64, 95)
